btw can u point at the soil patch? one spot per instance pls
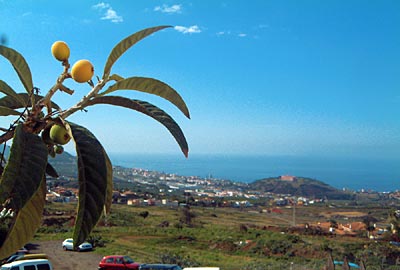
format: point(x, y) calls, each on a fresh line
point(66, 260)
point(348, 214)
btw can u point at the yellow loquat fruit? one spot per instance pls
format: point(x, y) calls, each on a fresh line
point(82, 71)
point(60, 50)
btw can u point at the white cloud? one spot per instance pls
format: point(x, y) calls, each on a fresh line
point(101, 5)
point(109, 13)
point(188, 30)
point(242, 35)
point(112, 16)
point(169, 9)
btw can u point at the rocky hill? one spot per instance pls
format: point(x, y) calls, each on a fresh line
point(298, 186)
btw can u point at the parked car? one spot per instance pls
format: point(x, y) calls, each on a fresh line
point(22, 252)
point(117, 262)
point(68, 244)
point(201, 268)
point(31, 256)
point(159, 267)
point(9, 259)
point(36, 264)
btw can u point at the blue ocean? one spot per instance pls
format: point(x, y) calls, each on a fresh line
point(379, 174)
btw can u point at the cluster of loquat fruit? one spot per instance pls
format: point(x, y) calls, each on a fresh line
point(82, 71)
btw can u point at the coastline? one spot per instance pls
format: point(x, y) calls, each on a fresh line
point(350, 173)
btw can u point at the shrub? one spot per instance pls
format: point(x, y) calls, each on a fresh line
point(183, 261)
point(144, 214)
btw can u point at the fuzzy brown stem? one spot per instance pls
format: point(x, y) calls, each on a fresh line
point(6, 136)
point(82, 103)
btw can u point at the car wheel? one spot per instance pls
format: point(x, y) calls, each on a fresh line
point(65, 248)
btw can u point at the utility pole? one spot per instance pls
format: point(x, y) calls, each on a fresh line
point(294, 214)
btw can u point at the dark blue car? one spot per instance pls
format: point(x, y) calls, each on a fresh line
point(159, 267)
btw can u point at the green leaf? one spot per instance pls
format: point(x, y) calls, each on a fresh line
point(93, 177)
point(125, 44)
point(109, 192)
point(19, 64)
point(151, 86)
point(5, 111)
point(25, 223)
point(116, 77)
point(6, 89)
point(11, 103)
point(150, 110)
point(24, 170)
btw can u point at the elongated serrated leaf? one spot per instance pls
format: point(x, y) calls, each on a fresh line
point(5, 111)
point(125, 44)
point(92, 176)
point(116, 77)
point(25, 223)
point(19, 64)
point(6, 89)
point(151, 86)
point(24, 170)
point(11, 103)
point(109, 192)
point(150, 110)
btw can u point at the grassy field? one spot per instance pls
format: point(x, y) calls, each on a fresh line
point(225, 237)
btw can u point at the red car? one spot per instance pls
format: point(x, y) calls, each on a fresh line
point(115, 262)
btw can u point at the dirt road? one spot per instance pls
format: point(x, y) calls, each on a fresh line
point(66, 260)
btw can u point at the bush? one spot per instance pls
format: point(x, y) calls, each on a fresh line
point(144, 214)
point(182, 261)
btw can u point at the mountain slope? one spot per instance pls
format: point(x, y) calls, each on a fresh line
point(65, 164)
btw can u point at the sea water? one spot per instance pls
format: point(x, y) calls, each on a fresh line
point(379, 174)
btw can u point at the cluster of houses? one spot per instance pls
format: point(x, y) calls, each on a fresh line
point(225, 198)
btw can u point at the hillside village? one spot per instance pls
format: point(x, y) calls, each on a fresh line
point(144, 187)
point(139, 187)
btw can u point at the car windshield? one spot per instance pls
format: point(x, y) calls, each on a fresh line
point(128, 259)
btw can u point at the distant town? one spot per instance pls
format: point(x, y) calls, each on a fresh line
point(135, 186)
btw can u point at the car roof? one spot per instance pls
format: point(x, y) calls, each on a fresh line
point(15, 263)
point(119, 257)
point(71, 240)
point(32, 256)
point(156, 265)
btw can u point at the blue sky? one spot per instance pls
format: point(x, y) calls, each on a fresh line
point(259, 77)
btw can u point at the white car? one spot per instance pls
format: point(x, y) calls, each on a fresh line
point(68, 244)
point(28, 264)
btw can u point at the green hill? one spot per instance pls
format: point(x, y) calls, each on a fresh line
point(299, 186)
point(65, 164)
